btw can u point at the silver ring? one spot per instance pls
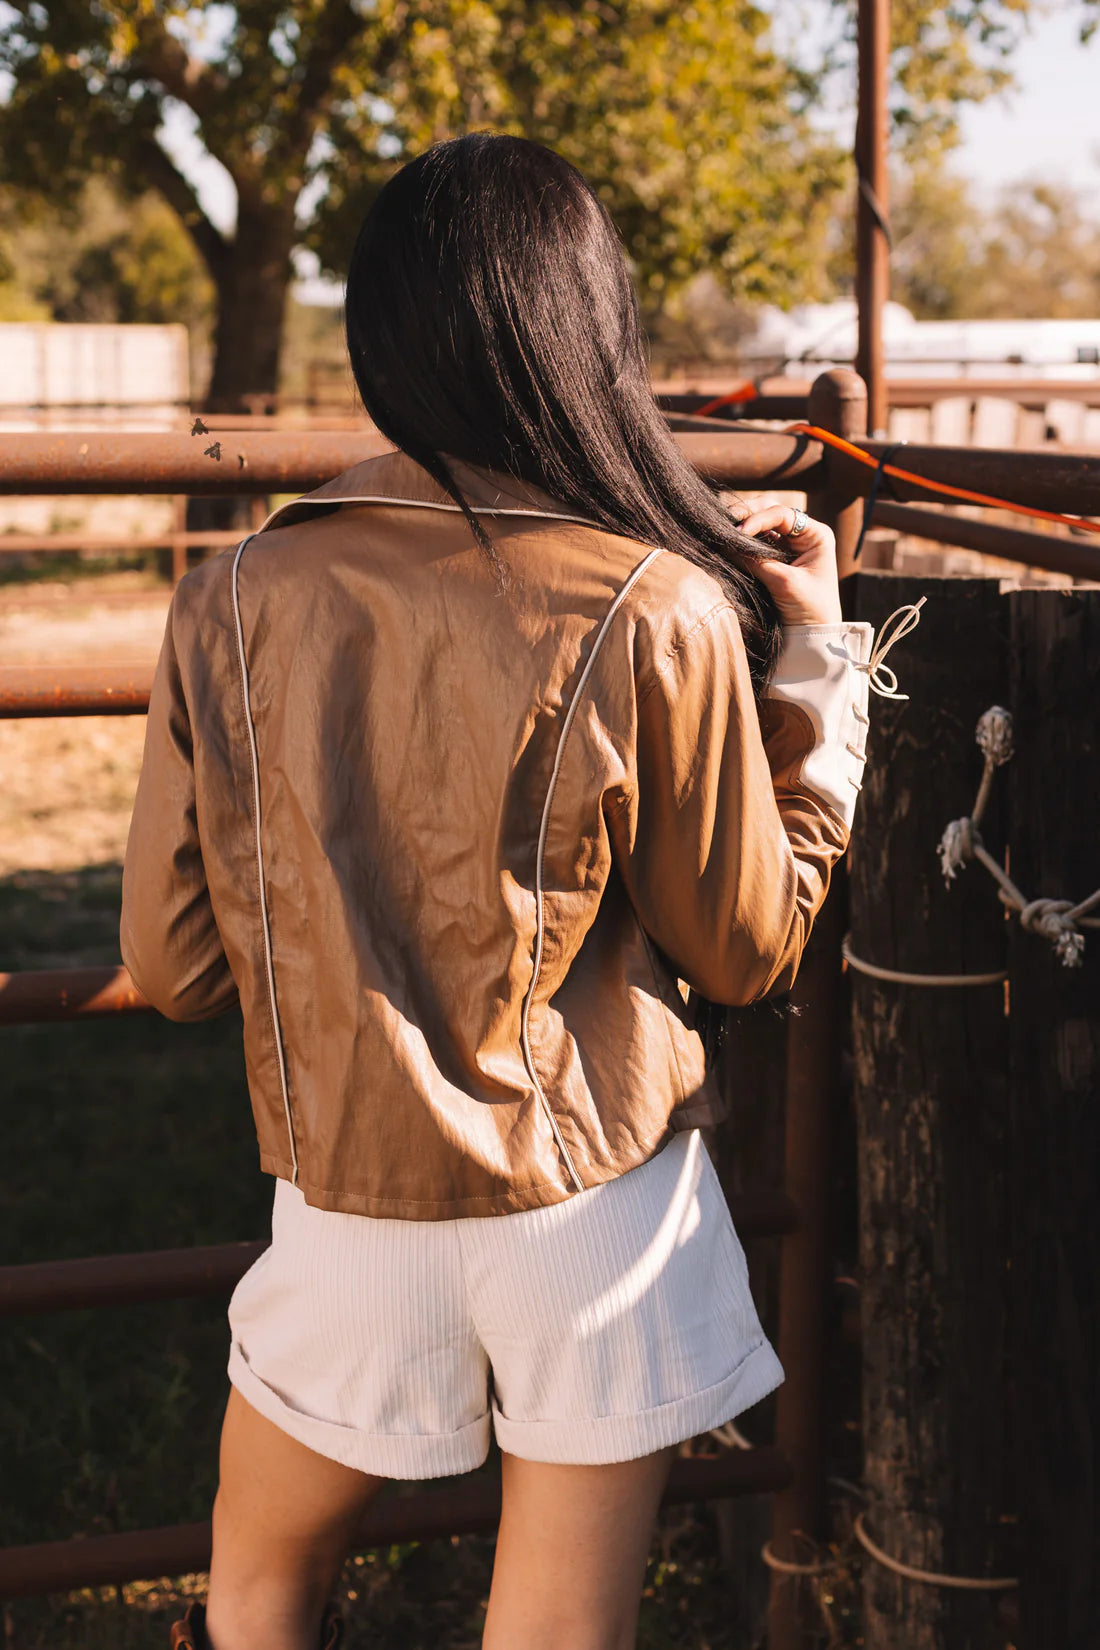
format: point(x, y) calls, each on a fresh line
point(801, 522)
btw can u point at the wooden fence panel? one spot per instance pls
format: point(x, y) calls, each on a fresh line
point(930, 1095)
point(995, 421)
point(951, 421)
point(1054, 782)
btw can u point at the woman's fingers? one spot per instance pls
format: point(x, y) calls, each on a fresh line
point(805, 589)
point(815, 537)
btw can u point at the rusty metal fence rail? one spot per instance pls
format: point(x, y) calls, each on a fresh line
point(734, 457)
point(284, 462)
point(235, 464)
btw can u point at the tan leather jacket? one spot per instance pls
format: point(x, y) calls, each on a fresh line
point(453, 847)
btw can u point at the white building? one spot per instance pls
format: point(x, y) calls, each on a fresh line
point(824, 335)
point(54, 375)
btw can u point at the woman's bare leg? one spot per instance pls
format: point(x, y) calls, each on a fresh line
point(571, 1554)
point(283, 1523)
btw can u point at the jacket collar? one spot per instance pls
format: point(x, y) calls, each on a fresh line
point(395, 478)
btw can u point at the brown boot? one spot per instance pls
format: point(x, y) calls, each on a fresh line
point(190, 1633)
point(332, 1629)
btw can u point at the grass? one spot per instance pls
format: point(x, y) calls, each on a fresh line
point(70, 566)
point(131, 1133)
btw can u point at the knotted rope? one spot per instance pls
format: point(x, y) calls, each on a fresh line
point(882, 678)
point(1058, 920)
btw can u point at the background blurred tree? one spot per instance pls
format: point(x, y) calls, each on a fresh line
point(1041, 255)
point(697, 132)
point(100, 258)
point(1035, 252)
point(693, 129)
point(942, 56)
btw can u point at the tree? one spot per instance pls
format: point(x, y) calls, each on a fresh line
point(941, 58)
point(694, 129)
point(100, 258)
point(1034, 253)
point(684, 118)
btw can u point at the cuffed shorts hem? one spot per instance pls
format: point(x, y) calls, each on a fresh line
point(600, 1439)
point(400, 1455)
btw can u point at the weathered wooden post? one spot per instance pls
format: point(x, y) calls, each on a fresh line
point(815, 1037)
point(1054, 781)
point(931, 1098)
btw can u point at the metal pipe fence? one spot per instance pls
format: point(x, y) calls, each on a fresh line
point(292, 462)
point(297, 461)
point(258, 464)
point(471, 1508)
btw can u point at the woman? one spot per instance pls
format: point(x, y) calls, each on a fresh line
point(475, 778)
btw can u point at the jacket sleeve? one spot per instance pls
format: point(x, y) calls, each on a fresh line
point(170, 941)
point(727, 842)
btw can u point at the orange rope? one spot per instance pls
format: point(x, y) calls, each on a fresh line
point(743, 392)
point(837, 441)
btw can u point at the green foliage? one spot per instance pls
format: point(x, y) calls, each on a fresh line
point(695, 122)
point(1034, 253)
point(684, 119)
point(690, 123)
point(101, 257)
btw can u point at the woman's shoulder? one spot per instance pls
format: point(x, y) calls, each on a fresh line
point(676, 605)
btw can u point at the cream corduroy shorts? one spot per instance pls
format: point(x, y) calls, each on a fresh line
point(598, 1329)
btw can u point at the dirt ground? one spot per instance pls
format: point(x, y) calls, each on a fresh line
point(67, 783)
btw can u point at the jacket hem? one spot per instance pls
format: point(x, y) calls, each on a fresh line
point(344, 1200)
point(510, 1200)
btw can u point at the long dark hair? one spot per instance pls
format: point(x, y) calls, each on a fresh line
point(491, 318)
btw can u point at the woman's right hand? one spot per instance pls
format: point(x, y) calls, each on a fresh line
point(806, 589)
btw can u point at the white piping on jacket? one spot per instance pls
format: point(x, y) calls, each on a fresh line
point(544, 826)
point(426, 504)
point(260, 860)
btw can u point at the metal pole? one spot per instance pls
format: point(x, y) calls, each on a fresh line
point(1056, 552)
point(873, 204)
point(297, 461)
point(838, 403)
point(466, 1508)
point(814, 1046)
point(75, 690)
point(42, 994)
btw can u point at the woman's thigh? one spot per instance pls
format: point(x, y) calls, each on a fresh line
point(571, 1553)
point(284, 1520)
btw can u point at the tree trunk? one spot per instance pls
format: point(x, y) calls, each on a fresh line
point(253, 284)
point(930, 1090)
point(1054, 780)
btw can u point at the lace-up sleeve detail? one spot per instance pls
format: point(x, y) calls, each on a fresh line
point(829, 672)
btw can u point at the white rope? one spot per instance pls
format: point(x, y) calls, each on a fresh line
point(931, 1578)
point(903, 977)
point(789, 1567)
point(882, 678)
